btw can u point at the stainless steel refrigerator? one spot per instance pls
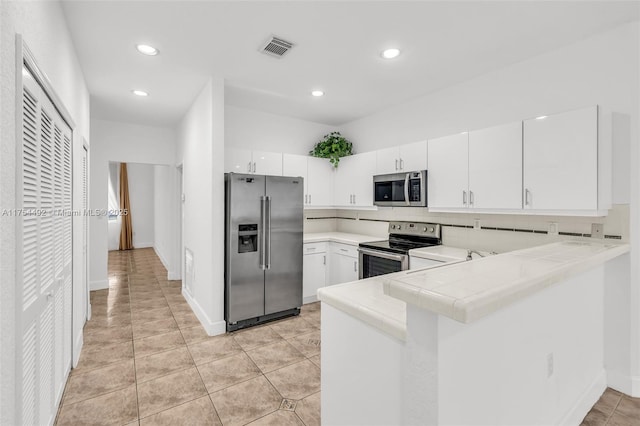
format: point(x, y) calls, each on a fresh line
point(263, 248)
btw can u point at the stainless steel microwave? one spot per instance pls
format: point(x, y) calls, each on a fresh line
point(400, 189)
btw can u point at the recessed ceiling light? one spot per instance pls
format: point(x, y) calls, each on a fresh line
point(317, 93)
point(145, 49)
point(542, 117)
point(390, 53)
point(139, 93)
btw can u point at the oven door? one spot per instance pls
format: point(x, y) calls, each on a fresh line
point(374, 263)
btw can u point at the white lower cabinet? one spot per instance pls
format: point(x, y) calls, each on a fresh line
point(343, 261)
point(314, 272)
point(327, 263)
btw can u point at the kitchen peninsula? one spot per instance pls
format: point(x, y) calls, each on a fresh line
point(495, 336)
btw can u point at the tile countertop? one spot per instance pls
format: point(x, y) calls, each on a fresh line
point(467, 291)
point(441, 253)
point(340, 237)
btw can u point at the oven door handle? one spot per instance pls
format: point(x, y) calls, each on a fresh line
point(384, 255)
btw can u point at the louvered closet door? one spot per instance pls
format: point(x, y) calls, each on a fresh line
point(46, 257)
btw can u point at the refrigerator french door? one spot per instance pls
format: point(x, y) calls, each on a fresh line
point(263, 248)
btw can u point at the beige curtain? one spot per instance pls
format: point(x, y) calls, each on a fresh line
point(126, 230)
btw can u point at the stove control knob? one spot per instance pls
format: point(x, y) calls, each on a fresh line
point(424, 229)
point(431, 229)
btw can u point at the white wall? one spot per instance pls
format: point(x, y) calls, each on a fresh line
point(119, 142)
point(602, 70)
point(43, 27)
point(261, 131)
point(166, 242)
point(201, 153)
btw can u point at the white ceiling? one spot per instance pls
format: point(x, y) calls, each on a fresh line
point(337, 50)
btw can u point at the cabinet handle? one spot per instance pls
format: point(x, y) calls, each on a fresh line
point(464, 198)
point(355, 266)
point(306, 198)
point(254, 167)
point(309, 198)
point(344, 250)
point(470, 198)
point(311, 248)
point(401, 164)
point(324, 259)
point(396, 164)
point(526, 197)
point(249, 167)
point(354, 198)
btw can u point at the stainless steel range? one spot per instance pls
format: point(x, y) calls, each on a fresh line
point(392, 255)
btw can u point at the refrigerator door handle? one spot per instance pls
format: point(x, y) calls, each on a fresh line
point(263, 223)
point(268, 234)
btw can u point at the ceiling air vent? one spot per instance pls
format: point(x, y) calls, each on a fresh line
point(276, 47)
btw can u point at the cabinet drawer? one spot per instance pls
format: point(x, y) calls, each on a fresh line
point(312, 248)
point(344, 249)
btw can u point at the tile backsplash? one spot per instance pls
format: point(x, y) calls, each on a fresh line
point(497, 232)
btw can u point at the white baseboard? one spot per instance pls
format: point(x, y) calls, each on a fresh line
point(142, 245)
point(98, 285)
point(173, 275)
point(77, 349)
point(584, 403)
point(628, 385)
point(309, 299)
point(213, 328)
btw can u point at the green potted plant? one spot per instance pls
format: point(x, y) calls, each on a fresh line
point(332, 146)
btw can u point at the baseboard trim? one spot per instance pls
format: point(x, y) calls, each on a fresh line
point(142, 245)
point(77, 349)
point(98, 285)
point(309, 299)
point(628, 385)
point(161, 257)
point(584, 403)
point(213, 328)
point(173, 275)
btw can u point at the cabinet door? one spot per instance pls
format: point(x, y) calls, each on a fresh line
point(320, 175)
point(343, 182)
point(363, 168)
point(294, 166)
point(388, 161)
point(413, 156)
point(447, 175)
point(561, 161)
point(313, 275)
point(343, 269)
point(237, 160)
point(495, 167)
point(267, 163)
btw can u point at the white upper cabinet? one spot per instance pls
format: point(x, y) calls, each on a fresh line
point(320, 174)
point(267, 163)
point(255, 162)
point(448, 172)
point(413, 157)
point(318, 178)
point(561, 161)
point(405, 158)
point(495, 167)
point(353, 184)
point(237, 160)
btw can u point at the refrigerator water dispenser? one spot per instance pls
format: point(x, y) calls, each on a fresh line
point(247, 238)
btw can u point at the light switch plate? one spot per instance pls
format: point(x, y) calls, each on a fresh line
point(597, 230)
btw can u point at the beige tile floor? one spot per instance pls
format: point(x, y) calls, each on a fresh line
point(147, 360)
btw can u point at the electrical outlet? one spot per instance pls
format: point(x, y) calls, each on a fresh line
point(550, 364)
point(476, 224)
point(553, 228)
point(597, 230)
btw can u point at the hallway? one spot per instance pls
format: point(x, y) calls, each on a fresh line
point(147, 360)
